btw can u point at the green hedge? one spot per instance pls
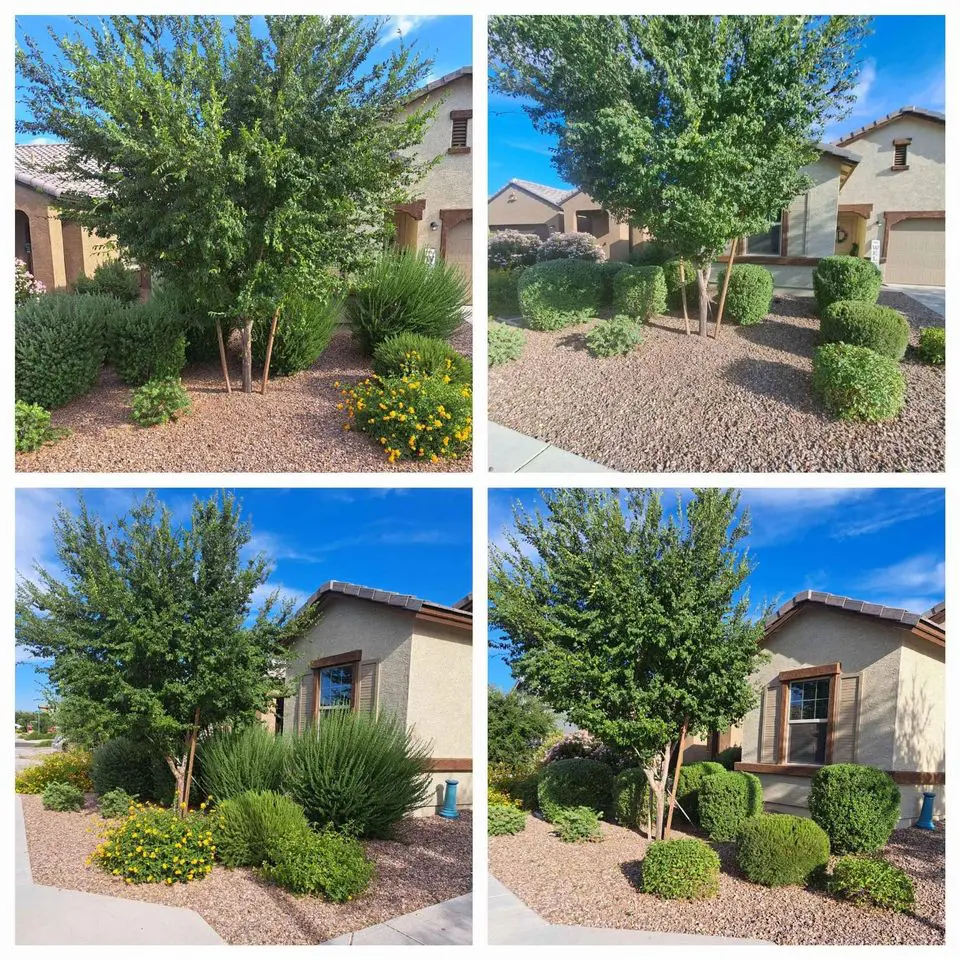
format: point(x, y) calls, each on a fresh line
point(845, 278)
point(640, 292)
point(609, 271)
point(577, 824)
point(856, 383)
point(502, 291)
point(858, 806)
point(727, 758)
point(778, 850)
point(726, 800)
point(881, 329)
point(685, 869)
point(304, 330)
point(692, 776)
point(671, 275)
point(134, 767)
point(111, 279)
point(749, 293)
point(146, 341)
point(578, 782)
point(933, 345)
point(633, 799)
point(558, 293)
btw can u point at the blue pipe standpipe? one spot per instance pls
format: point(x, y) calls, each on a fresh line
point(449, 808)
point(926, 812)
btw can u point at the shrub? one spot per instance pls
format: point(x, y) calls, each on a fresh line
point(855, 383)
point(504, 818)
point(671, 276)
point(609, 271)
point(577, 824)
point(574, 783)
point(845, 278)
point(779, 850)
point(615, 337)
point(502, 291)
point(404, 293)
point(358, 772)
point(511, 248)
point(146, 341)
point(159, 401)
point(858, 806)
point(26, 286)
point(499, 798)
point(426, 355)
point(133, 767)
point(155, 845)
point(111, 279)
point(558, 293)
point(865, 325)
point(691, 777)
point(640, 292)
point(253, 825)
point(62, 796)
point(59, 346)
point(326, 864)
point(304, 330)
point(933, 345)
point(727, 758)
point(504, 343)
point(115, 804)
point(632, 799)
point(518, 784)
point(580, 743)
point(651, 253)
point(749, 293)
point(71, 767)
point(726, 800)
point(571, 246)
point(244, 760)
point(684, 869)
point(875, 883)
point(33, 428)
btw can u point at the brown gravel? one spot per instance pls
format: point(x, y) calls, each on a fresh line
point(430, 861)
point(689, 404)
point(594, 885)
point(295, 428)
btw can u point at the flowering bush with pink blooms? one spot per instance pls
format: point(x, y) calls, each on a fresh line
point(27, 286)
point(583, 744)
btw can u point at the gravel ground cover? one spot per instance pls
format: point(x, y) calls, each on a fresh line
point(744, 403)
point(595, 885)
point(428, 862)
point(295, 428)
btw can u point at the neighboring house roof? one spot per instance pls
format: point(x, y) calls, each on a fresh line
point(838, 152)
point(552, 195)
point(937, 613)
point(441, 82)
point(36, 167)
point(917, 623)
point(466, 603)
point(921, 112)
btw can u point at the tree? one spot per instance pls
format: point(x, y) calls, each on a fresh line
point(239, 167)
point(517, 724)
point(696, 128)
point(629, 622)
point(151, 628)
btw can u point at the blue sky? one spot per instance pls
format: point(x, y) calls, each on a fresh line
point(903, 64)
point(445, 40)
point(415, 541)
point(884, 546)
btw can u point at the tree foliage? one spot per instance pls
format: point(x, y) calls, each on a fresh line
point(517, 724)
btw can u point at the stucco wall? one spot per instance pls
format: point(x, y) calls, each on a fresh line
point(615, 242)
point(920, 738)
point(812, 228)
point(515, 207)
point(46, 236)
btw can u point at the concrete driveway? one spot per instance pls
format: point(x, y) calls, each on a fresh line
point(933, 298)
point(29, 754)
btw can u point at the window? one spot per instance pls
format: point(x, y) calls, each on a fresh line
point(900, 152)
point(336, 687)
point(460, 131)
point(807, 733)
point(767, 243)
point(278, 716)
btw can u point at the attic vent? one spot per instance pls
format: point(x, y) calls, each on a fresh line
point(459, 136)
point(900, 152)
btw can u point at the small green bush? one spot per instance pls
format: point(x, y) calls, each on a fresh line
point(640, 292)
point(726, 800)
point(159, 401)
point(62, 796)
point(684, 869)
point(933, 345)
point(519, 784)
point(254, 825)
point(115, 804)
point(502, 291)
point(134, 767)
point(244, 760)
point(558, 293)
point(511, 248)
point(749, 293)
point(430, 356)
point(73, 767)
point(577, 825)
point(865, 325)
point(856, 383)
point(326, 864)
point(111, 279)
point(33, 428)
point(304, 330)
point(575, 783)
point(503, 819)
point(146, 341)
point(671, 275)
point(615, 337)
point(571, 246)
point(857, 805)
point(845, 278)
point(404, 293)
point(632, 799)
point(504, 343)
point(727, 758)
point(869, 882)
point(688, 786)
point(778, 850)
point(609, 271)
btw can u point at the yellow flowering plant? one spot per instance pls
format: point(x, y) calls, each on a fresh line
point(71, 767)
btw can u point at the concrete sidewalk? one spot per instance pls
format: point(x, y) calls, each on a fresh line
point(513, 452)
point(444, 924)
point(512, 923)
point(933, 298)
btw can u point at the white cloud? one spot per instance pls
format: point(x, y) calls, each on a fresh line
point(260, 595)
point(396, 28)
point(40, 141)
point(922, 575)
point(868, 76)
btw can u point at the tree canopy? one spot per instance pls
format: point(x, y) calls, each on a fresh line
point(517, 725)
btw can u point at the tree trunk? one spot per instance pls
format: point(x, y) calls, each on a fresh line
point(223, 356)
point(683, 295)
point(723, 292)
point(179, 774)
point(188, 779)
point(703, 285)
point(248, 355)
point(266, 366)
point(659, 786)
point(676, 779)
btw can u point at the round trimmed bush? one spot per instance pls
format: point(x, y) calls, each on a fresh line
point(845, 278)
point(685, 869)
point(933, 345)
point(871, 882)
point(651, 252)
point(640, 292)
point(504, 818)
point(571, 246)
point(146, 341)
point(615, 337)
point(512, 248)
point(749, 293)
point(692, 776)
point(253, 826)
point(726, 800)
point(632, 799)
point(671, 275)
point(558, 293)
point(609, 271)
point(857, 383)
point(574, 783)
point(857, 805)
point(881, 329)
point(779, 850)
point(429, 355)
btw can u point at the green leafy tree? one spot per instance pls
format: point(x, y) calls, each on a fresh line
point(517, 724)
point(151, 628)
point(240, 167)
point(693, 127)
point(628, 621)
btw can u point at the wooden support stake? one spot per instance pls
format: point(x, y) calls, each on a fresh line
point(266, 366)
point(187, 780)
point(683, 296)
point(223, 356)
point(676, 780)
point(726, 283)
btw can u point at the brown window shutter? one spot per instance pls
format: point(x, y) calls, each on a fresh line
point(305, 704)
point(459, 136)
point(844, 732)
point(770, 724)
point(367, 690)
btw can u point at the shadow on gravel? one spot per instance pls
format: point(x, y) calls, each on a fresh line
point(784, 338)
point(633, 871)
point(574, 341)
point(775, 381)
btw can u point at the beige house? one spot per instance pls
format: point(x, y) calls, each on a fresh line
point(389, 653)
point(440, 219)
point(55, 251)
point(849, 682)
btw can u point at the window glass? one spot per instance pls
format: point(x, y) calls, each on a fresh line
point(765, 244)
point(809, 705)
point(336, 687)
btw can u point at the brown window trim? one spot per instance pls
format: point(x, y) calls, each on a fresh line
point(351, 659)
point(450, 765)
point(458, 151)
point(902, 777)
point(905, 166)
point(808, 673)
point(903, 142)
point(777, 261)
point(829, 671)
point(461, 114)
point(337, 660)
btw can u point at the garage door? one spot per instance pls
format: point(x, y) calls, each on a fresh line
point(915, 252)
point(459, 247)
